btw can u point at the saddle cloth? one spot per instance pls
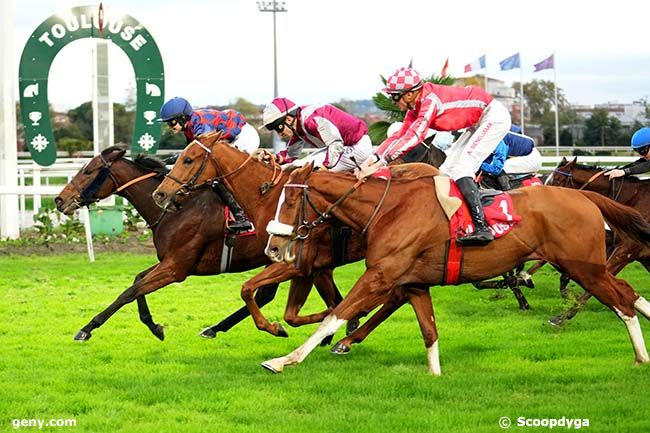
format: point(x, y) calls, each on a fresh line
point(497, 206)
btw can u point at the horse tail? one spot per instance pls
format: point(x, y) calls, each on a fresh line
point(624, 220)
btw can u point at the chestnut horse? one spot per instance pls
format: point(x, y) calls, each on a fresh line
point(255, 186)
point(189, 242)
point(407, 231)
point(628, 190)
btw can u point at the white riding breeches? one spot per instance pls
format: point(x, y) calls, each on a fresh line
point(530, 163)
point(465, 156)
point(248, 139)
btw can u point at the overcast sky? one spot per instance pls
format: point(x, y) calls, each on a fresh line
point(215, 51)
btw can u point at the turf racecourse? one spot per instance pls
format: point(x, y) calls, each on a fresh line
point(496, 360)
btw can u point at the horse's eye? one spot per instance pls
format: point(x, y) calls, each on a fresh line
point(187, 161)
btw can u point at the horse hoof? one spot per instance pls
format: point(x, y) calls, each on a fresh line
point(159, 332)
point(556, 321)
point(273, 366)
point(208, 333)
point(281, 332)
point(327, 340)
point(339, 349)
point(82, 336)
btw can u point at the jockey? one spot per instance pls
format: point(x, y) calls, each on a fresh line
point(179, 116)
point(446, 108)
point(515, 154)
point(341, 138)
point(641, 145)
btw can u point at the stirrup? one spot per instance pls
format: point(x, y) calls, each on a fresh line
point(245, 226)
point(476, 238)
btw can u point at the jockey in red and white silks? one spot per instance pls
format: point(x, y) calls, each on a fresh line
point(339, 136)
point(448, 108)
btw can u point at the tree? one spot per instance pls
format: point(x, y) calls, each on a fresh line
point(602, 130)
point(123, 123)
point(82, 118)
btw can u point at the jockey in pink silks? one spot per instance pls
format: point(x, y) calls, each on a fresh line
point(341, 138)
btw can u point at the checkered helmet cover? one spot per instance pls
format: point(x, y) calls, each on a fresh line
point(402, 80)
point(277, 109)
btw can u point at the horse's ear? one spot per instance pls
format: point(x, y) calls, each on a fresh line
point(574, 161)
point(114, 152)
point(564, 161)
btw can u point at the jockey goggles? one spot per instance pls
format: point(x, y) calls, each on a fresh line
point(643, 151)
point(277, 125)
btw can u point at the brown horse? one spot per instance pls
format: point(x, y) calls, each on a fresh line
point(407, 231)
point(629, 190)
point(189, 242)
point(257, 187)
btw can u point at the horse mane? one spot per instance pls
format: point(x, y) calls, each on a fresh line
point(113, 149)
point(151, 163)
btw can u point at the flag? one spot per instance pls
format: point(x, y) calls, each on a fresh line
point(548, 63)
point(475, 66)
point(511, 62)
point(443, 72)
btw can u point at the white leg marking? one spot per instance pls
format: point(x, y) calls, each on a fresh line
point(643, 306)
point(433, 356)
point(636, 336)
point(329, 326)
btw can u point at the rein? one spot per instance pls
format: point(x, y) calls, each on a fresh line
point(613, 192)
point(86, 195)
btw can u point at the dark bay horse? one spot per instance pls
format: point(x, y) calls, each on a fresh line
point(628, 190)
point(407, 231)
point(188, 242)
point(257, 187)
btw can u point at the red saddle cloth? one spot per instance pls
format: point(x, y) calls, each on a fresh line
point(499, 214)
point(532, 181)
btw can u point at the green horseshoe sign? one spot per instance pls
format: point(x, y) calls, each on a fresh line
point(88, 22)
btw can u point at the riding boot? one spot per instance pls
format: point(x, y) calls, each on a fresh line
point(241, 223)
point(504, 181)
point(481, 234)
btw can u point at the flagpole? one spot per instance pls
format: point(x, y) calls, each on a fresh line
point(521, 94)
point(557, 109)
point(485, 71)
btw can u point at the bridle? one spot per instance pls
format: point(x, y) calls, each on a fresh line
point(304, 227)
point(86, 195)
point(188, 187)
point(614, 192)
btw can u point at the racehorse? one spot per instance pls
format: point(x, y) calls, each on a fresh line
point(190, 242)
point(407, 231)
point(628, 190)
point(257, 187)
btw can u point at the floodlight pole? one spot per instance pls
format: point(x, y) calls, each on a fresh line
point(274, 6)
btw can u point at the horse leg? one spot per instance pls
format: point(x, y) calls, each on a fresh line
point(619, 296)
point(370, 290)
point(324, 282)
point(343, 346)
point(143, 309)
point(263, 296)
point(156, 278)
point(617, 260)
point(420, 299)
point(275, 273)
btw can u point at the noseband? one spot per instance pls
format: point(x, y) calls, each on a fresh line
point(87, 195)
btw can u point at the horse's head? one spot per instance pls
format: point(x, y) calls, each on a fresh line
point(562, 174)
point(92, 183)
point(290, 223)
point(194, 167)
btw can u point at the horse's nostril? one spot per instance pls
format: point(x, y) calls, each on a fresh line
point(58, 201)
point(274, 250)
